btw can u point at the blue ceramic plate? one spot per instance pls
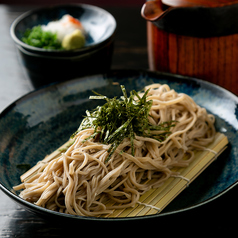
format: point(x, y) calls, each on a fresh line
point(99, 24)
point(41, 121)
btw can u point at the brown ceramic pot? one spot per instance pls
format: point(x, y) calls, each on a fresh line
point(197, 38)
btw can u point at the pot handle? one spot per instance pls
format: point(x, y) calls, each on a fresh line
point(153, 10)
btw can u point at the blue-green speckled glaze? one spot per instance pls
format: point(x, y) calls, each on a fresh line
point(38, 123)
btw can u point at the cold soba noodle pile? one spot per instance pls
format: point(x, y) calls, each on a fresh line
point(158, 131)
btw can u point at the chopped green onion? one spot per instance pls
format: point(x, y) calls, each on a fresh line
point(41, 39)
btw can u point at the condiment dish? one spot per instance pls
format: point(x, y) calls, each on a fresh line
point(94, 57)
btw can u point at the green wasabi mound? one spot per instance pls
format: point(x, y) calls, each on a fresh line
point(75, 40)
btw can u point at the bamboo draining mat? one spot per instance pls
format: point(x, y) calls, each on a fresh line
point(155, 200)
point(162, 196)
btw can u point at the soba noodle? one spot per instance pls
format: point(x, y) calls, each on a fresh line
point(79, 182)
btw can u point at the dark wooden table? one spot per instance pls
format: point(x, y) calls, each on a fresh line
point(130, 52)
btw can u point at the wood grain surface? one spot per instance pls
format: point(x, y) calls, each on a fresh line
point(214, 59)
